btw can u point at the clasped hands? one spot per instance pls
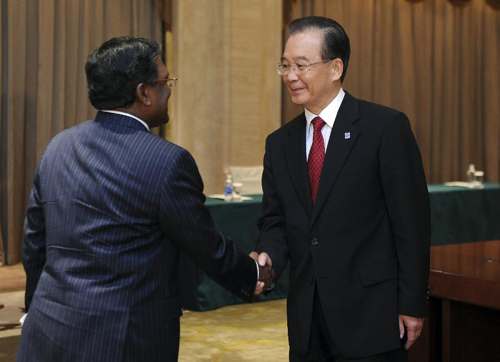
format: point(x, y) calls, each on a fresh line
point(266, 272)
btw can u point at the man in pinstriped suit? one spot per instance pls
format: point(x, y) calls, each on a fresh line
point(111, 206)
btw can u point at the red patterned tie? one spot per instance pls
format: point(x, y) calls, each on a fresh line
point(316, 156)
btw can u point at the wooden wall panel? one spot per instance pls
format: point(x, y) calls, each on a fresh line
point(228, 96)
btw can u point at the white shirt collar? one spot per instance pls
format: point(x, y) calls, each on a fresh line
point(128, 115)
point(329, 113)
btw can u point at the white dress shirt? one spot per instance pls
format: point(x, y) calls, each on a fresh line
point(328, 115)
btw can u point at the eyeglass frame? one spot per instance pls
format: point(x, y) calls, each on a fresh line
point(171, 81)
point(293, 67)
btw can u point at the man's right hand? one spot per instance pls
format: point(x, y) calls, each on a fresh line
point(267, 276)
point(266, 272)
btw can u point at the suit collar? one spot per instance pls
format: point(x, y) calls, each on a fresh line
point(128, 115)
point(119, 120)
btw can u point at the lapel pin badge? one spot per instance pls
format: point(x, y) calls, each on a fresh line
point(347, 135)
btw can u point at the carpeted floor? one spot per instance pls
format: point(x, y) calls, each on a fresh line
point(10, 329)
point(8, 348)
point(243, 332)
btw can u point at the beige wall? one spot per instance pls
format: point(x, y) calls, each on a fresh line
point(228, 97)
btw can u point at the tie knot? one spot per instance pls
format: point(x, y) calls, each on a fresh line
point(318, 123)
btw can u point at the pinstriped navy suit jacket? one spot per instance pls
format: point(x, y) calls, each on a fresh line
point(110, 207)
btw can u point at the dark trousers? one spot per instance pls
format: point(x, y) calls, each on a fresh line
point(322, 348)
point(167, 352)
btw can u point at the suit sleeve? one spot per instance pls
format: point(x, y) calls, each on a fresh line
point(33, 242)
point(407, 199)
point(272, 223)
point(186, 221)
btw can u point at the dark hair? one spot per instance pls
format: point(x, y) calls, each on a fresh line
point(116, 68)
point(335, 40)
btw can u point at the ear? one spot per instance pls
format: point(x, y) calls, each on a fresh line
point(143, 94)
point(337, 68)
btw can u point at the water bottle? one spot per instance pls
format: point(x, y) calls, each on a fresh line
point(228, 188)
point(471, 175)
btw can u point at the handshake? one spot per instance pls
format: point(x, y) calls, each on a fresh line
point(267, 276)
point(266, 273)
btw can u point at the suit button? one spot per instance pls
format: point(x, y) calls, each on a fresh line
point(311, 280)
point(314, 241)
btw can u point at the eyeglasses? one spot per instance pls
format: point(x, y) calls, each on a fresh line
point(297, 68)
point(170, 81)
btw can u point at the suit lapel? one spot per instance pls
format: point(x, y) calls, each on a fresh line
point(342, 139)
point(295, 155)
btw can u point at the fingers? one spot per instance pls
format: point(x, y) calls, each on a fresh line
point(413, 328)
point(401, 328)
point(266, 273)
point(264, 259)
point(259, 288)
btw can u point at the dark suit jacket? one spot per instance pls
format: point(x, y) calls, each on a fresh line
point(365, 243)
point(110, 208)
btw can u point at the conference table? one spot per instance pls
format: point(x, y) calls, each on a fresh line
point(458, 215)
point(464, 305)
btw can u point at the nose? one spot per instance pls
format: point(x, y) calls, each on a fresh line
point(290, 76)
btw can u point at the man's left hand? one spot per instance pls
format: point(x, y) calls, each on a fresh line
point(413, 328)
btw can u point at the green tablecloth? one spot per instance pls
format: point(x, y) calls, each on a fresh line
point(461, 215)
point(458, 215)
point(239, 221)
